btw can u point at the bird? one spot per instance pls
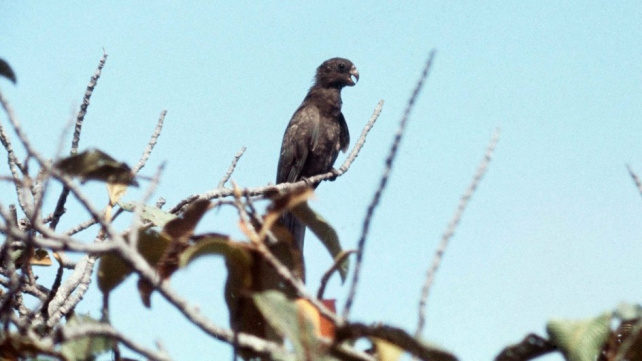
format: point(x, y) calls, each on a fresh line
point(316, 133)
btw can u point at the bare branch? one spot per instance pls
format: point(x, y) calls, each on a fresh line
point(452, 226)
point(64, 301)
point(230, 170)
point(12, 159)
point(362, 139)
point(635, 178)
point(62, 199)
point(151, 144)
point(395, 336)
point(335, 266)
point(382, 184)
point(104, 329)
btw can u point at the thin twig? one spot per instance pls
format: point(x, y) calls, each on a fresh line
point(62, 199)
point(395, 336)
point(635, 178)
point(230, 170)
point(103, 329)
point(151, 143)
point(12, 159)
point(382, 184)
point(335, 266)
point(450, 230)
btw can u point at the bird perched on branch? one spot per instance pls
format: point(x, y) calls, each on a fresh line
point(316, 132)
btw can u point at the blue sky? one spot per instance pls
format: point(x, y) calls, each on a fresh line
point(553, 230)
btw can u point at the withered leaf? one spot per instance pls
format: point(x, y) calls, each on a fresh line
point(94, 164)
point(112, 270)
point(6, 71)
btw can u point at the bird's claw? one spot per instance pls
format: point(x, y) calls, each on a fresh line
point(335, 173)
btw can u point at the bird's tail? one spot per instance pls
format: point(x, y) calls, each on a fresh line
point(295, 227)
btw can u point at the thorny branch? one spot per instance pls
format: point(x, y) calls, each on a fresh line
point(230, 170)
point(450, 230)
point(635, 178)
point(382, 184)
point(151, 143)
point(60, 206)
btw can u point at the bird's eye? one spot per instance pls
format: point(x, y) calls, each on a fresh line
point(342, 66)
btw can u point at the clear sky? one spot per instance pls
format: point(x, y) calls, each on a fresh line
point(553, 231)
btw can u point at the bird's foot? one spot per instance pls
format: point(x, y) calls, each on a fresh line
point(335, 175)
point(307, 181)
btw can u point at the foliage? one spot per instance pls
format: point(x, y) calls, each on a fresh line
point(272, 316)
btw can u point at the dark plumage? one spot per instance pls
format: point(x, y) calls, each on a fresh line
point(316, 132)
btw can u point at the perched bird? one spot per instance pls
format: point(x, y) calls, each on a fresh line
point(316, 132)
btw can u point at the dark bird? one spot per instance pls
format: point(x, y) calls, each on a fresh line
point(316, 132)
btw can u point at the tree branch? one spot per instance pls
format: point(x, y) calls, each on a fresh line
point(450, 230)
point(151, 143)
point(60, 205)
point(382, 184)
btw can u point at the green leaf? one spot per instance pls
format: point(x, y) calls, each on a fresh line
point(628, 311)
point(283, 315)
point(238, 261)
point(85, 348)
point(324, 231)
point(215, 245)
point(6, 71)
point(157, 216)
point(580, 340)
point(96, 165)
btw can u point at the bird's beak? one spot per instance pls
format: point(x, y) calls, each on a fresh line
point(354, 73)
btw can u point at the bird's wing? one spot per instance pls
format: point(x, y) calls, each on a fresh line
point(344, 134)
point(300, 135)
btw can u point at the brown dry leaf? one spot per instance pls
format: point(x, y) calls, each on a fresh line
point(94, 164)
point(116, 191)
point(184, 225)
point(179, 230)
point(112, 270)
point(40, 257)
point(284, 203)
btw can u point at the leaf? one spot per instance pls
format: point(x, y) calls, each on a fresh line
point(324, 231)
point(238, 260)
point(112, 270)
point(628, 311)
point(284, 203)
point(116, 191)
point(386, 351)
point(179, 230)
point(96, 165)
point(322, 325)
point(157, 216)
point(183, 226)
point(283, 316)
point(580, 340)
point(215, 245)
point(84, 348)
point(6, 71)
point(40, 257)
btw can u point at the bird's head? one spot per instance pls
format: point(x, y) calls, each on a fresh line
point(337, 73)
